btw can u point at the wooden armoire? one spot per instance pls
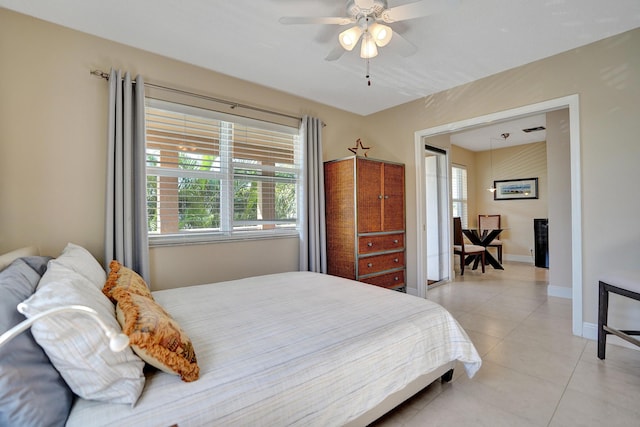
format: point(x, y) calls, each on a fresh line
point(365, 215)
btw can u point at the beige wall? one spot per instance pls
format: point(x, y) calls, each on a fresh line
point(606, 76)
point(559, 187)
point(52, 143)
point(53, 127)
point(522, 161)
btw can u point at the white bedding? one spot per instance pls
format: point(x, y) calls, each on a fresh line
point(290, 349)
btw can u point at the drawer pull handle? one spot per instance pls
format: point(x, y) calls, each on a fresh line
point(395, 260)
point(379, 196)
point(395, 241)
point(369, 265)
point(396, 278)
point(370, 244)
point(386, 197)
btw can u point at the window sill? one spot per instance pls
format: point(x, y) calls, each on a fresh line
point(214, 238)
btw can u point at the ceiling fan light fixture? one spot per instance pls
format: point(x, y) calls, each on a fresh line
point(349, 38)
point(368, 48)
point(381, 34)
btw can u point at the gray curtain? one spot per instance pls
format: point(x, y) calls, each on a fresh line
point(313, 241)
point(126, 237)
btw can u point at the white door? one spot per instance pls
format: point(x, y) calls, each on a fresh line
point(436, 227)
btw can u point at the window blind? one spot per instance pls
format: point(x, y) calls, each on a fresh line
point(216, 175)
point(459, 194)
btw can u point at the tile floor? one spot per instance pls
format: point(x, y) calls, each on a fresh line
point(534, 372)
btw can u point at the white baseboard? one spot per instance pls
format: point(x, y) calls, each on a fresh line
point(590, 332)
point(559, 291)
point(518, 258)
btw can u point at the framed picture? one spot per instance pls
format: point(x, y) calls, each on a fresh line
point(514, 189)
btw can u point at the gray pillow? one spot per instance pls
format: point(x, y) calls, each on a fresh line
point(32, 393)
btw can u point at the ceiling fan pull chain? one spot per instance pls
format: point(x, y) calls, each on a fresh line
point(368, 74)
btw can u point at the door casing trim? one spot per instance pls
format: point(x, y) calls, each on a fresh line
point(571, 102)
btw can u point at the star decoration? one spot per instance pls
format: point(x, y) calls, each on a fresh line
point(359, 146)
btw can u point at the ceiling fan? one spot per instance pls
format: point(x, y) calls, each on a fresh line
point(367, 19)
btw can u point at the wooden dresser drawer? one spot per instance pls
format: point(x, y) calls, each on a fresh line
point(388, 280)
point(376, 263)
point(380, 243)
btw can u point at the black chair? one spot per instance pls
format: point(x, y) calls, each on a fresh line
point(463, 250)
point(626, 284)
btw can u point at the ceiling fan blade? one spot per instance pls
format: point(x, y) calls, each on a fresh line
point(417, 10)
point(289, 20)
point(335, 53)
point(403, 46)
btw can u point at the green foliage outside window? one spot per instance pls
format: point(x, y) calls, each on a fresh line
point(199, 204)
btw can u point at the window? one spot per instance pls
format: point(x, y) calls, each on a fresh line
point(215, 176)
point(459, 193)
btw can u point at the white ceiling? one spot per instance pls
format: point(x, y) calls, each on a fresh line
point(243, 38)
point(490, 136)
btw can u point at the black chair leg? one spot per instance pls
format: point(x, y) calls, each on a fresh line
point(603, 307)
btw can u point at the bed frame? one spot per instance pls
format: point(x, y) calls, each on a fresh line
point(444, 373)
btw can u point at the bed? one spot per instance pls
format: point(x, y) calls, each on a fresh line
point(295, 348)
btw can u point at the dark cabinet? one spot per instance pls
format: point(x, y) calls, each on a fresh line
point(541, 236)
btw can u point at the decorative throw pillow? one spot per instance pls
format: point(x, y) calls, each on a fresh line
point(81, 261)
point(124, 278)
point(155, 336)
point(75, 343)
point(32, 393)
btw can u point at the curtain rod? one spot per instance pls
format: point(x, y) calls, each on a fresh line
point(233, 105)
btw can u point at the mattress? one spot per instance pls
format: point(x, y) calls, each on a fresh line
point(295, 348)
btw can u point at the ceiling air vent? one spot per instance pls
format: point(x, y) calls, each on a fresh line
point(535, 129)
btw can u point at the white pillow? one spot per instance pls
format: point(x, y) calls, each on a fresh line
point(75, 343)
point(9, 257)
point(81, 261)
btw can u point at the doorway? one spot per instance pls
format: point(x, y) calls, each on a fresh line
point(572, 104)
point(436, 184)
